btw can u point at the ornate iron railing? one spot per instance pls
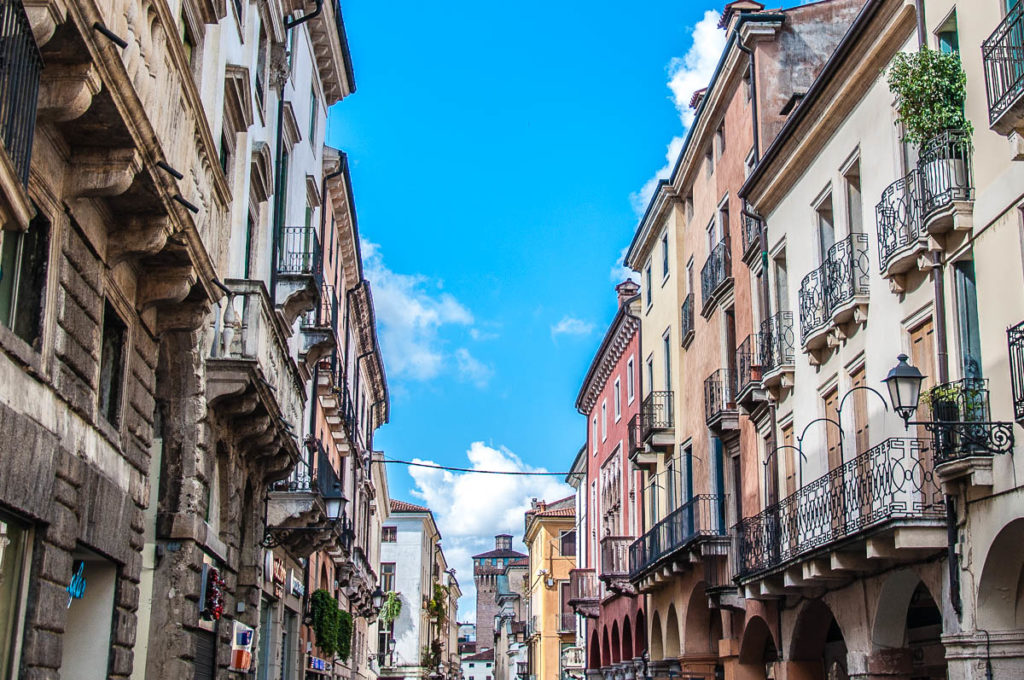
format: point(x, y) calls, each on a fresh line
point(633, 431)
point(1003, 54)
point(700, 516)
point(686, 319)
point(326, 313)
point(840, 278)
point(716, 271)
point(1015, 343)
point(751, 236)
point(327, 480)
point(655, 413)
point(898, 216)
point(947, 172)
point(891, 481)
point(299, 252)
point(777, 342)
point(961, 424)
point(719, 393)
point(748, 362)
point(615, 556)
point(20, 66)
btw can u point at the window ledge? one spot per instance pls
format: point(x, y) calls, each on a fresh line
point(20, 351)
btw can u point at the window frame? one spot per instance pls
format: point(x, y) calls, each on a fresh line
point(617, 398)
point(630, 380)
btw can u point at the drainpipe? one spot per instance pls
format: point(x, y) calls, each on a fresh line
point(289, 24)
point(753, 96)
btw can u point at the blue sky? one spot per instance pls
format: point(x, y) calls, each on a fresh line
point(499, 157)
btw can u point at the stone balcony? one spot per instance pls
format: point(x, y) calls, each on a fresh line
point(299, 272)
point(297, 515)
point(615, 564)
point(252, 379)
point(834, 295)
point(584, 592)
point(652, 429)
point(882, 508)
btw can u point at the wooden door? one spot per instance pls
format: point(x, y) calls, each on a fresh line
point(790, 466)
point(789, 533)
point(834, 449)
point(922, 355)
point(861, 438)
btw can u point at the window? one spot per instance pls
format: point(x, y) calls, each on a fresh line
point(854, 208)
point(648, 286)
point(630, 381)
point(826, 227)
point(688, 207)
point(712, 236)
point(948, 36)
point(112, 355)
point(225, 153)
point(388, 534)
point(689, 277)
point(723, 220)
point(650, 374)
point(664, 256)
point(188, 41)
point(709, 161)
point(313, 106)
point(617, 399)
point(567, 543)
point(666, 347)
point(387, 576)
point(23, 258)
point(720, 138)
point(250, 232)
point(593, 439)
point(14, 546)
point(967, 319)
point(781, 283)
point(604, 420)
point(261, 69)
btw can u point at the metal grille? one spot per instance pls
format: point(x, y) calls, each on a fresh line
point(686, 318)
point(777, 341)
point(719, 393)
point(1003, 53)
point(840, 278)
point(893, 480)
point(898, 215)
point(748, 362)
point(1015, 341)
point(716, 271)
point(700, 516)
point(655, 413)
point(946, 170)
point(20, 66)
point(751, 235)
point(299, 252)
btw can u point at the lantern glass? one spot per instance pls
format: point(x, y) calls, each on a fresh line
point(378, 597)
point(904, 383)
point(334, 506)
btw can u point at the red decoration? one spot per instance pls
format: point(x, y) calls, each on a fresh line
point(213, 605)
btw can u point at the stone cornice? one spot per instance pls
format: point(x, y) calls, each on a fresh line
point(614, 345)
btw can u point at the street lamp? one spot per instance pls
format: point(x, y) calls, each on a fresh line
point(904, 383)
point(378, 598)
point(335, 511)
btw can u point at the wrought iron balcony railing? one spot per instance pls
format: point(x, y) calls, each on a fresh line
point(20, 66)
point(324, 315)
point(1015, 342)
point(717, 271)
point(751, 237)
point(841, 277)
point(961, 424)
point(615, 556)
point(633, 431)
point(898, 215)
point(748, 363)
point(299, 252)
point(700, 516)
point(719, 394)
point(655, 413)
point(1003, 54)
point(892, 481)
point(947, 174)
point(686, 320)
point(777, 342)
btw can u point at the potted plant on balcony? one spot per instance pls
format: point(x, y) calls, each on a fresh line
point(391, 608)
point(930, 89)
point(436, 605)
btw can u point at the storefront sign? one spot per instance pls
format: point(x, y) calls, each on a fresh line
point(241, 647)
point(297, 588)
point(76, 589)
point(319, 665)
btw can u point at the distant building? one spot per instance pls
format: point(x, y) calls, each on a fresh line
point(479, 666)
point(487, 567)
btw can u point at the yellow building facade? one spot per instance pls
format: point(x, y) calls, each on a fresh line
point(550, 538)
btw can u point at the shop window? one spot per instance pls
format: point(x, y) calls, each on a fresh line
point(112, 354)
point(14, 549)
point(90, 612)
point(23, 258)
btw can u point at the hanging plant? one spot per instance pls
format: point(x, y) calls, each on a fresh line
point(344, 645)
point(391, 608)
point(213, 603)
point(431, 657)
point(436, 605)
point(930, 89)
point(326, 621)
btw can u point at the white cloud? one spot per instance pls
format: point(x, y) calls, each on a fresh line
point(411, 310)
point(470, 508)
point(472, 369)
point(686, 75)
point(620, 272)
point(570, 325)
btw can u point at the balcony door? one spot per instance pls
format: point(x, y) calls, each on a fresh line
point(836, 501)
point(922, 355)
point(861, 439)
point(826, 227)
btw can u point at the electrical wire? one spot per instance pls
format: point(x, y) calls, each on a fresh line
point(434, 466)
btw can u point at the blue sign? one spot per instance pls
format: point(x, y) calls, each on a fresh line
point(76, 589)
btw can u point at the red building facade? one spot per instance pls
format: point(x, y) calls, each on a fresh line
point(610, 398)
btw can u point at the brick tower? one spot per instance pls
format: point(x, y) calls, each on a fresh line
point(486, 569)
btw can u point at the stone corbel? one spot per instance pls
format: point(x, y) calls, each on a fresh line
point(182, 317)
point(103, 172)
point(897, 284)
point(301, 300)
point(45, 16)
point(164, 285)
point(835, 337)
point(279, 71)
point(66, 91)
point(860, 315)
point(139, 236)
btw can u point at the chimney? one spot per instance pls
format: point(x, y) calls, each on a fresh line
point(503, 542)
point(626, 291)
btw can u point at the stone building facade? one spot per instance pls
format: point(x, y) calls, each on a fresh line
point(157, 362)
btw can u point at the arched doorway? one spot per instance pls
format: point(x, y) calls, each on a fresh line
point(907, 630)
point(627, 640)
point(1001, 587)
point(701, 634)
point(640, 638)
point(594, 652)
point(818, 643)
point(757, 649)
point(606, 655)
point(672, 648)
point(616, 648)
point(657, 648)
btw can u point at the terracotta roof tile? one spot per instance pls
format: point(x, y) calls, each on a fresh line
point(402, 506)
